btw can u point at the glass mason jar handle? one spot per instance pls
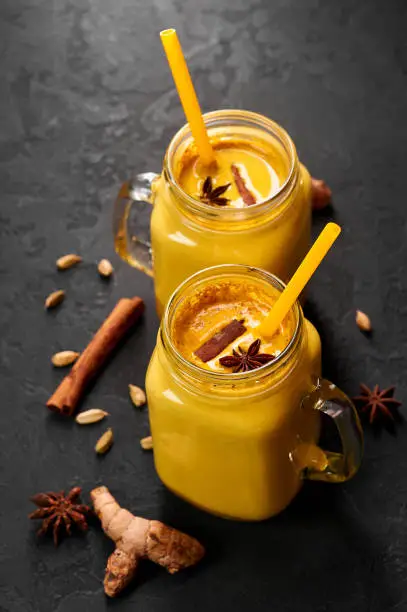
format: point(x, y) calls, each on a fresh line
point(130, 209)
point(328, 466)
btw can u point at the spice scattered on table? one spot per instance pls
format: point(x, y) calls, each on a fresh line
point(59, 512)
point(68, 261)
point(147, 443)
point(243, 361)
point(54, 299)
point(105, 268)
point(376, 403)
point(68, 394)
point(137, 538)
point(363, 321)
point(64, 358)
point(321, 194)
point(88, 417)
point(137, 395)
point(105, 442)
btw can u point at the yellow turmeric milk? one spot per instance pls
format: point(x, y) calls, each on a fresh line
point(256, 170)
point(224, 439)
point(205, 313)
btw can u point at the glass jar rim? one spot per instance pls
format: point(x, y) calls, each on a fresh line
point(197, 372)
point(232, 213)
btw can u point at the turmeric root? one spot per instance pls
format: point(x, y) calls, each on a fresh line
point(138, 538)
point(320, 194)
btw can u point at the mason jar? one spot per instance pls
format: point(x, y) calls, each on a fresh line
point(240, 445)
point(188, 235)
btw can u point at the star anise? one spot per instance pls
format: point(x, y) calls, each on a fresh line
point(243, 361)
point(59, 511)
point(211, 195)
point(377, 402)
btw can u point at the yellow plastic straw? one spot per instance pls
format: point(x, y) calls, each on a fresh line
point(301, 277)
point(187, 94)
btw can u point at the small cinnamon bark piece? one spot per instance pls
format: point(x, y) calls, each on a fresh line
point(215, 345)
point(124, 315)
point(247, 196)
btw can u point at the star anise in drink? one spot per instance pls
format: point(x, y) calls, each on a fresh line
point(243, 361)
point(60, 512)
point(377, 403)
point(211, 195)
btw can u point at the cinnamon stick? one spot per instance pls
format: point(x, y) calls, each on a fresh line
point(215, 345)
point(247, 196)
point(124, 315)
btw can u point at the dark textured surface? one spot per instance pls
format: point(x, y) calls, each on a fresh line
point(85, 97)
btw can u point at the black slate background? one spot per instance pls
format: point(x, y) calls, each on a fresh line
point(85, 98)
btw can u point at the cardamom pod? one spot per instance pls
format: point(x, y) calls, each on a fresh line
point(105, 442)
point(137, 395)
point(363, 321)
point(105, 268)
point(90, 416)
point(147, 443)
point(54, 298)
point(67, 261)
point(64, 358)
